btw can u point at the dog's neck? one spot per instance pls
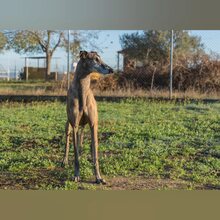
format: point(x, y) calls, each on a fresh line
point(81, 80)
point(81, 83)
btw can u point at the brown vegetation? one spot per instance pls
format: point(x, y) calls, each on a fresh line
point(200, 75)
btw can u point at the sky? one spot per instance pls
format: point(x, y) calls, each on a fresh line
point(109, 42)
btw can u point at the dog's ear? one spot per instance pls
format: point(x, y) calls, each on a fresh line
point(83, 54)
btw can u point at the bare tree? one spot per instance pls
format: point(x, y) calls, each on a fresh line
point(81, 40)
point(31, 41)
point(47, 41)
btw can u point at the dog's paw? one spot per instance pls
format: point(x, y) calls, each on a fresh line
point(76, 179)
point(64, 163)
point(100, 181)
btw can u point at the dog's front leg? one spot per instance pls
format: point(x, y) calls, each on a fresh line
point(94, 136)
point(76, 154)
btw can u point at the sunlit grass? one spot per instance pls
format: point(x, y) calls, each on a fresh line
point(160, 140)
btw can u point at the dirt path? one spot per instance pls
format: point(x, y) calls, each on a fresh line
point(142, 183)
point(113, 183)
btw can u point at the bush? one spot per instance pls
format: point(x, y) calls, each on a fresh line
point(199, 72)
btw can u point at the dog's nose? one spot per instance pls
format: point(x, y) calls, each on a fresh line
point(111, 70)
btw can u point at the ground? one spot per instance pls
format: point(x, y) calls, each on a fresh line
point(142, 145)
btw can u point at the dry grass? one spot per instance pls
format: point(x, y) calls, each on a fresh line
point(10, 91)
point(156, 93)
point(118, 93)
point(101, 86)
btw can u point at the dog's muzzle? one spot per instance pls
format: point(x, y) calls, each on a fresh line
point(110, 70)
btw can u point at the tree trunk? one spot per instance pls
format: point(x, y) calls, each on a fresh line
point(152, 80)
point(48, 64)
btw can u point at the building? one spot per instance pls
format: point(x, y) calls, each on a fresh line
point(127, 62)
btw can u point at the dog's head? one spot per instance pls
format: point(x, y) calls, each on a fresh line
point(93, 62)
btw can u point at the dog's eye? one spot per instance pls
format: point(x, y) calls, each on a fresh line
point(97, 59)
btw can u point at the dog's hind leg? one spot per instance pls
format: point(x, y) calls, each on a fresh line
point(67, 147)
point(80, 140)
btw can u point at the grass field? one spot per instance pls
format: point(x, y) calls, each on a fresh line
point(142, 145)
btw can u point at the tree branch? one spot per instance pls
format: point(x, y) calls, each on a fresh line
point(58, 42)
point(40, 41)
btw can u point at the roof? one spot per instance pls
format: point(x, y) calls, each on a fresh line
point(123, 51)
point(40, 57)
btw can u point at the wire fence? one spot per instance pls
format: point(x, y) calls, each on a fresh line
point(178, 65)
point(188, 65)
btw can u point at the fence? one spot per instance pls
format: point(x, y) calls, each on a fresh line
point(181, 63)
point(4, 74)
point(168, 64)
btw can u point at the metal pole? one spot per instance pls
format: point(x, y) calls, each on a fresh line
point(118, 62)
point(171, 65)
point(68, 61)
point(26, 66)
point(15, 71)
point(8, 74)
point(27, 70)
point(8, 71)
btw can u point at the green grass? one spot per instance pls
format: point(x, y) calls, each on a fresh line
point(137, 139)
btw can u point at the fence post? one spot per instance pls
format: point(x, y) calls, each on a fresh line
point(68, 61)
point(8, 74)
point(171, 65)
point(118, 62)
point(26, 66)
